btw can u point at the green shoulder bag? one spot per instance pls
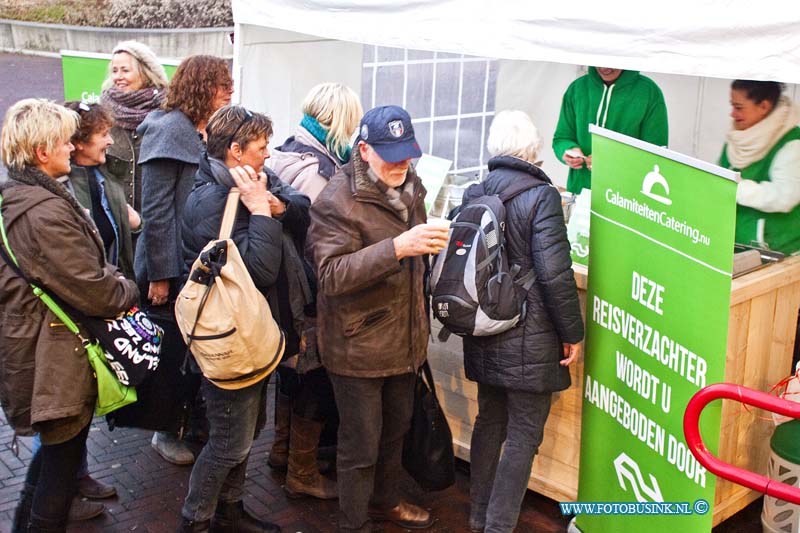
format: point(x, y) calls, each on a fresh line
point(111, 394)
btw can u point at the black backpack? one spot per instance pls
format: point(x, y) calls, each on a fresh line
point(474, 289)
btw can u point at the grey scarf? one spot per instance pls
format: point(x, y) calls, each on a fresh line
point(399, 198)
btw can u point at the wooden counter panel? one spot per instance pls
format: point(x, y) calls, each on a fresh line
point(765, 280)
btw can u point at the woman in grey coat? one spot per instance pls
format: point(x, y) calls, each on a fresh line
point(172, 144)
point(519, 370)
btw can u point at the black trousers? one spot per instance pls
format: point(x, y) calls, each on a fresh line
point(374, 417)
point(53, 472)
point(311, 393)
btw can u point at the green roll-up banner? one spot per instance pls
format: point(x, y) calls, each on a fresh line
point(661, 253)
point(84, 73)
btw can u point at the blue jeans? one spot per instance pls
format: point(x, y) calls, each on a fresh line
point(219, 471)
point(83, 469)
point(498, 480)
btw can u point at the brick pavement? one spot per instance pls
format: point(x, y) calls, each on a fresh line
point(151, 491)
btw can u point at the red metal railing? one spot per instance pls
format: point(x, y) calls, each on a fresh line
point(691, 431)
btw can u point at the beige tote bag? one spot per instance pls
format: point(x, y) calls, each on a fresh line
point(225, 320)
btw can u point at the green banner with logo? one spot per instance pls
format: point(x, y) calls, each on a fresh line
point(84, 73)
point(661, 253)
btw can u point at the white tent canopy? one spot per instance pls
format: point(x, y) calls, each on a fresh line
point(710, 38)
point(454, 63)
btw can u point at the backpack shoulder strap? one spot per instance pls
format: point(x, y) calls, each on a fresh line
point(474, 191)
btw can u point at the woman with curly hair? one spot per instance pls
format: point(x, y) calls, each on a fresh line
point(96, 189)
point(172, 144)
point(136, 85)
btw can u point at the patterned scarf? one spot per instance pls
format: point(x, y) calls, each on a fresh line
point(131, 107)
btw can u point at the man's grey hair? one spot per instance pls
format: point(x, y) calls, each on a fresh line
point(513, 133)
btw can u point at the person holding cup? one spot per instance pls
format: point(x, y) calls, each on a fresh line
point(369, 236)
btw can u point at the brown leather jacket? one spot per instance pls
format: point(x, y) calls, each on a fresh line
point(46, 383)
point(371, 313)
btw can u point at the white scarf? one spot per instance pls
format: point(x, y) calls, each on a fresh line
point(745, 147)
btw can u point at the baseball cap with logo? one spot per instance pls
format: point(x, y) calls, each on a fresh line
point(389, 132)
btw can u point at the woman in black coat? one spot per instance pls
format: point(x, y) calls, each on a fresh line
point(270, 217)
point(519, 370)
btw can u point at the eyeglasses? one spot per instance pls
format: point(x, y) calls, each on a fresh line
point(247, 118)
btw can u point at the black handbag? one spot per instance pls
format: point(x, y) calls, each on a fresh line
point(428, 446)
point(166, 397)
point(131, 342)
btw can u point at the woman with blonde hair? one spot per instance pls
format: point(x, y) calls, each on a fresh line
point(321, 142)
point(136, 85)
point(46, 383)
point(305, 403)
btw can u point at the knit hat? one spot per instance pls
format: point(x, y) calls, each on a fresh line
point(151, 69)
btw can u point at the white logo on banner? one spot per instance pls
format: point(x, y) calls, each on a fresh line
point(655, 178)
point(627, 468)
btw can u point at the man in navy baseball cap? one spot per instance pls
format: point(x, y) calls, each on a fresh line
point(370, 238)
point(389, 132)
point(386, 143)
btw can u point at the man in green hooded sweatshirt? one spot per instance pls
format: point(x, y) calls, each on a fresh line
point(620, 100)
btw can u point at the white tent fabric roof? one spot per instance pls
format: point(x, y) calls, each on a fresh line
point(710, 38)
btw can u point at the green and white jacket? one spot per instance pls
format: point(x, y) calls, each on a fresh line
point(633, 105)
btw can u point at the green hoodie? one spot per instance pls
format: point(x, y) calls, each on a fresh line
point(632, 105)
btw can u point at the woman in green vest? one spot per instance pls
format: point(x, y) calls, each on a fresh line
point(764, 146)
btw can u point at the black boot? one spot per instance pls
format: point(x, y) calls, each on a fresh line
point(190, 526)
point(231, 517)
point(37, 524)
point(22, 514)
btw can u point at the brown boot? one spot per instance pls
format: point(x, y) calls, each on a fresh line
point(303, 476)
point(279, 454)
point(404, 514)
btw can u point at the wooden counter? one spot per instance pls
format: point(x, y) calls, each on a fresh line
point(761, 331)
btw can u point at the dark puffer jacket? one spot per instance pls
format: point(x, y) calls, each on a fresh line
point(527, 357)
point(261, 240)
